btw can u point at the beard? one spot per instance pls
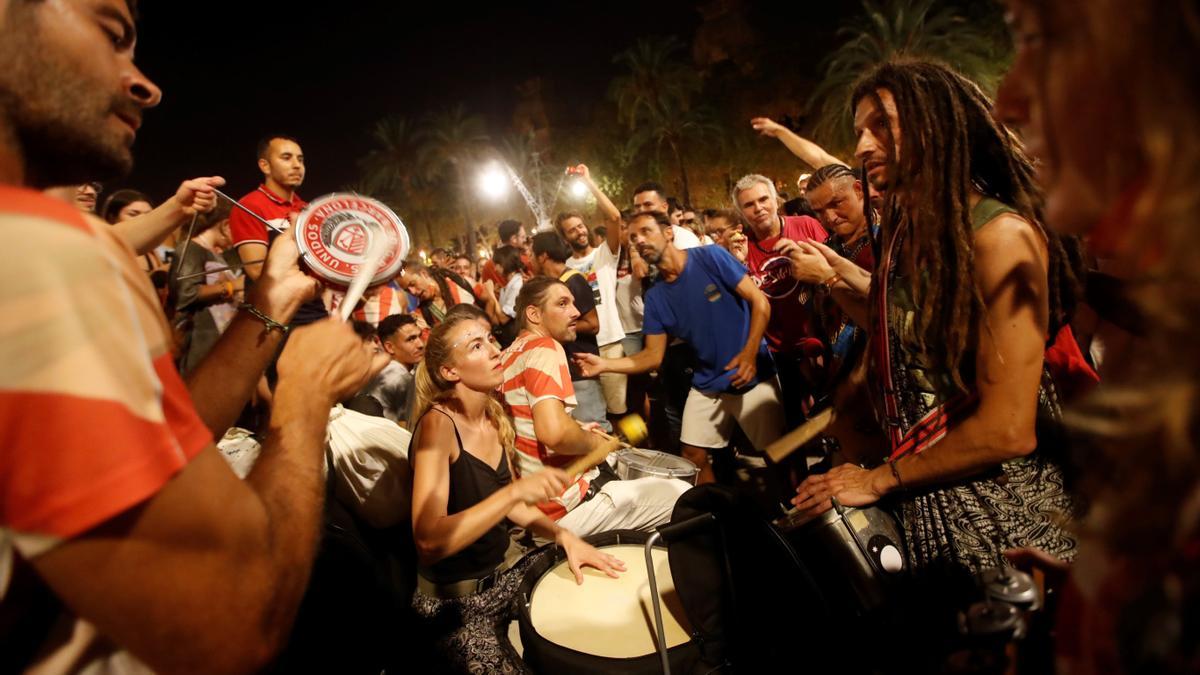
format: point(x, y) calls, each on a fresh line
point(565, 334)
point(580, 244)
point(59, 119)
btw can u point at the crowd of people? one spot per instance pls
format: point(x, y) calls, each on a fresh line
point(1005, 289)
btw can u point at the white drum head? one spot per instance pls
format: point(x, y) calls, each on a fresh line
point(608, 617)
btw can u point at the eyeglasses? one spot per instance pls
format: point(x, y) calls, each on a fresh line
point(687, 221)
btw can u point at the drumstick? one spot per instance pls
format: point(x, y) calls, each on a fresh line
point(366, 272)
point(593, 458)
point(600, 432)
point(800, 436)
point(223, 268)
point(243, 207)
point(254, 215)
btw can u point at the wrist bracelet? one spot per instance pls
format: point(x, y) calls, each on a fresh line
point(896, 474)
point(831, 281)
point(270, 323)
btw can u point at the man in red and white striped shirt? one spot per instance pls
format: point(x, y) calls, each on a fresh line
point(537, 388)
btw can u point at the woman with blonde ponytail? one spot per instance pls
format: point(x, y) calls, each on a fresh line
point(463, 492)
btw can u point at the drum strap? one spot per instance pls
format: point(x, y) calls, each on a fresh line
point(458, 589)
point(606, 474)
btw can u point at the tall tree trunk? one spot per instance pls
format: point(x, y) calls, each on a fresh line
point(429, 231)
point(465, 194)
point(687, 197)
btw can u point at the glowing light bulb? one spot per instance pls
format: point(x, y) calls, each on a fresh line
point(493, 182)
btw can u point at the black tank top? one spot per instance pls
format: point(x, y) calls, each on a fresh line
point(472, 481)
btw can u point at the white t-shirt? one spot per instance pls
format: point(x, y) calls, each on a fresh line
point(685, 238)
point(508, 295)
point(599, 267)
point(613, 292)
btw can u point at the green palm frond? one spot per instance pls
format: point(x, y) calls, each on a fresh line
point(895, 28)
point(450, 138)
point(392, 161)
point(657, 78)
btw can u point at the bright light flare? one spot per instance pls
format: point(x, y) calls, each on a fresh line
point(493, 182)
point(579, 189)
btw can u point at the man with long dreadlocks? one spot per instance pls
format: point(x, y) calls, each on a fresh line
point(968, 290)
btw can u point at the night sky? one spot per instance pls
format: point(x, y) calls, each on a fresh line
point(233, 71)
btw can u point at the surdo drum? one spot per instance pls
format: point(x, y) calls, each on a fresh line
point(604, 625)
point(335, 233)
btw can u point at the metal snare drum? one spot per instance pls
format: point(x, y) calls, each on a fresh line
point(854, 555)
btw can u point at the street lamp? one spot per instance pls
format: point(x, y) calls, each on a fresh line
point(494, 182)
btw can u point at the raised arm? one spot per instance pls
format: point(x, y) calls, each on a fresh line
point(612, 215)
point(148, 230)
point(810, 153)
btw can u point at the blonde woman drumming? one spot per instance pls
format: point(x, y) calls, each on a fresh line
point(463, 492)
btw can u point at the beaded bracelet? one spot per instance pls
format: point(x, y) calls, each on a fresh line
point(270, 323)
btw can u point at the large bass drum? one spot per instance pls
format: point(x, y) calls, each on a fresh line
point(604, 625)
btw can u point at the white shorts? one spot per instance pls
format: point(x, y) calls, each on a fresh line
point(613, 384)
point(708, 418)
point(641, 504)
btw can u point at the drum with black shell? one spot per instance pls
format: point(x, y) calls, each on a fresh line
point(604, 625)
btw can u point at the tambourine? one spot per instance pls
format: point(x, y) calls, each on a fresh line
point(336, 231)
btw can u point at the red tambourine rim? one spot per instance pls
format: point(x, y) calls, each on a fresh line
point(316, 253)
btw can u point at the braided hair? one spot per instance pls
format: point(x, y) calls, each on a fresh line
point(829, 172)
point(952, 146)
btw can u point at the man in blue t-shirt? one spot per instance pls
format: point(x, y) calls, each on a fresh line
point(705, 298)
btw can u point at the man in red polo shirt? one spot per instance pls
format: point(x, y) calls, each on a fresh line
point(281, 162)
point(792, 338)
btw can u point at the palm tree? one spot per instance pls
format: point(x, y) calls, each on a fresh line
point(655, 101)
point(451, 141)
point(391, 172)
point(391, 165)
point(903, 28)
point(656, 74)
point(675, 127)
